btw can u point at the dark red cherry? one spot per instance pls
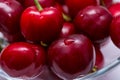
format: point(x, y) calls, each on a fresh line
point(44, 25)
point(22, 59)
point(71, 57)
point(67, 29)
point(94, 21)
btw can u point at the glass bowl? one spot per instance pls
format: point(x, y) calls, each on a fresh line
point(110, 70)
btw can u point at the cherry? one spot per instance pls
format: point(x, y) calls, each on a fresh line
point(41, 25)
point(22, 59)
point(44, 3)
point(67, 29)
point(115, 31)
point(94, 21)
point(75, 6)
point(71, 57)
point(115, 9)
point(10, 12)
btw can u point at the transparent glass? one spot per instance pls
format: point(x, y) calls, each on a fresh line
point(110, 70)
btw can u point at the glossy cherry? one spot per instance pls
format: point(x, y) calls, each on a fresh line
point(22, 59)
point(94, 21)
point(43, 25)
point(71, 57)
point(10, 12)
point(67, 29)
point(75, 6)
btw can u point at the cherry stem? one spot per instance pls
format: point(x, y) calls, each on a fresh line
point(66, 18)
point(43, 44)
point(39, 7)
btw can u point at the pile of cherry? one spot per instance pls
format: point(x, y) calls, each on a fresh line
point(64, 35)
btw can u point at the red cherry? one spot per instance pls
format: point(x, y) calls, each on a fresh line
point(67, 29)
point(75, 6)
point(115, 31)
point(71, 57)
point(94, 21)
point(44, 25)
point(22, 59)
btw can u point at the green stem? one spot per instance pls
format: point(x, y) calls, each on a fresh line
point(66, 18)
point(39, 7)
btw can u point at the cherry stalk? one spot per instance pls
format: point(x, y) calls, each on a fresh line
point(39, 7)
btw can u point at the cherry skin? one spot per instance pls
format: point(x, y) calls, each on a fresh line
point(115, 31)
point(67, 29)
point(71, 57)
point(94, 21)
point(75, 6)
point(42, 25)
point(115, 9)
point(44, 3)
point(22, 59)
point(10, 12)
